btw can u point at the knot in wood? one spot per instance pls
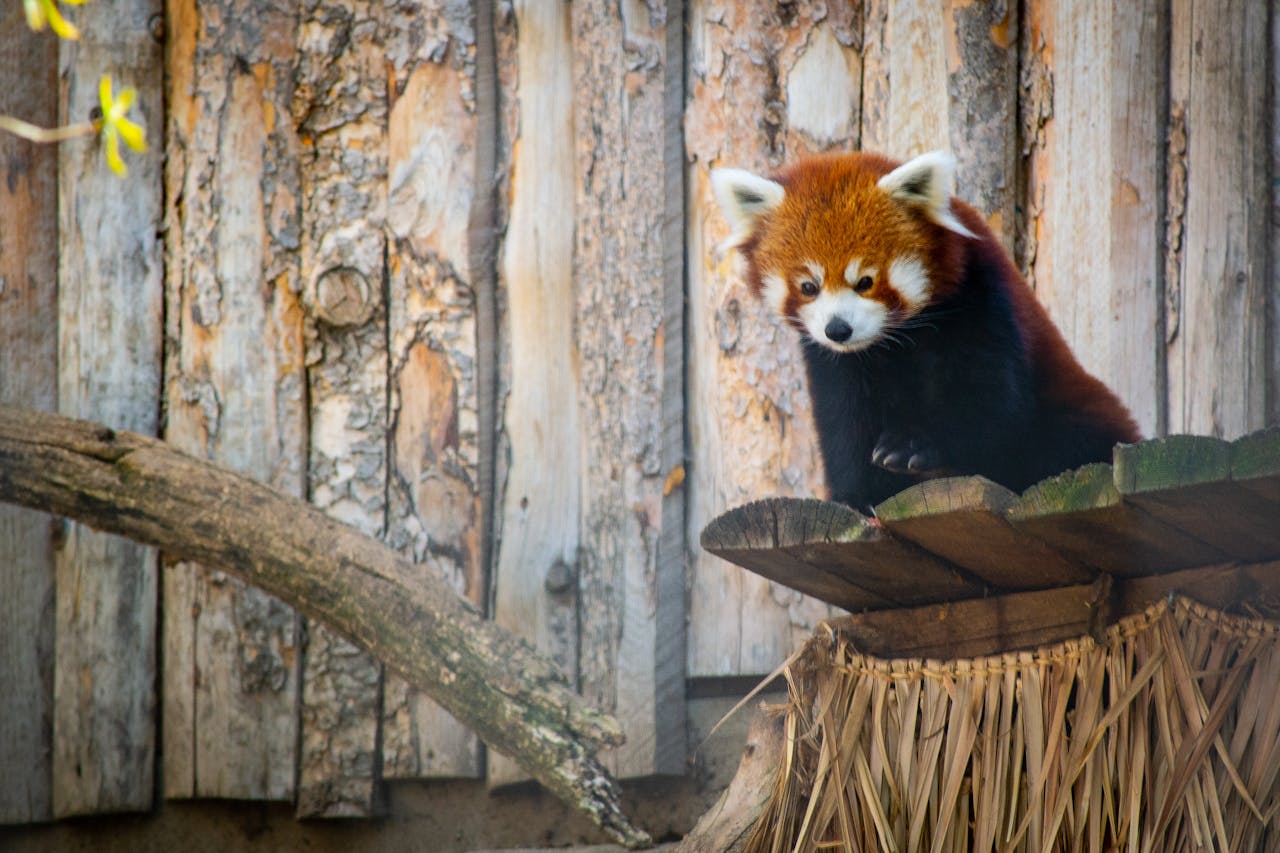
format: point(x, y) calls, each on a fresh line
point(341, 296)
point(559, 579)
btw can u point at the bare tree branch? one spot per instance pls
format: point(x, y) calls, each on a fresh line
point(515, 699)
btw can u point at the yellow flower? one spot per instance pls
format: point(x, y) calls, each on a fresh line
point(113, 126)
point(41, 12)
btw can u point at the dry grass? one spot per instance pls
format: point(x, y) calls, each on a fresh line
point(1165, 736)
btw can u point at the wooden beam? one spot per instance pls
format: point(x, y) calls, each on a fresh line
point(1094, 89)
point(439, 425)
point(340, 108)
point(825, 548)
point(1185, 482)
point(535, 573)
point(110, 305)
point(1081, 514)
point(29, 353)
point(515, 699)
point(1027, 620)
point(235, 384)
point(1220, 368)
point(962, 520)
point(631, 604)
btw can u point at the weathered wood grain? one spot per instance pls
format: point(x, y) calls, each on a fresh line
point(516, 699)
point(947, 81)
point(631, 603)
point(1081, 514)
point(1026, 620)
point(1255, 463)
point(749, 426)
point(235, 385)
point(1219, 364)
point(727, 824)
point(1095, 91)
point(962, 520)
point(340, 111)
point(437, 432)
point(1185, 482)
point(28, 377)
point(110, 304)
point(535, 573)
point(827, 549)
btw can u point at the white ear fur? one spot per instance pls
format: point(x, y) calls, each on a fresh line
point(744, 198)
point(926, 182)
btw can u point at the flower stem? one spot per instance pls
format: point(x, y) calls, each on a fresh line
point(36, 133)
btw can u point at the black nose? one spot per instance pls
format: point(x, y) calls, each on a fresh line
point(839, 331)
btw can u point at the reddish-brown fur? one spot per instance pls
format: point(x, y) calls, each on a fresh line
point(833, 210)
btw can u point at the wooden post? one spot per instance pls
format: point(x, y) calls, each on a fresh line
point(438, 119)
point(536, 566)
point(235, 384)
point(29, 377)
point(1219, 363)
point(1094, 90)
point(339, 109)
point(749, 426)
point(631, 593)
point(110, 299)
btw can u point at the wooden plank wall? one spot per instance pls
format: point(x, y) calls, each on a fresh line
point(110, 309)
point(28, 377)
point(235, 386)
point(542, 379)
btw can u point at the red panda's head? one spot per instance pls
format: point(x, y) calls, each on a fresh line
point(846, 247)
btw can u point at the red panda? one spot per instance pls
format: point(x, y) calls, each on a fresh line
point(927, 354)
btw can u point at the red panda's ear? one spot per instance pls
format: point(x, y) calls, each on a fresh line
point(926, 183)
point(744, 198)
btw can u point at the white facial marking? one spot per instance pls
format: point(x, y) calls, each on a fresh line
point(865, 318)
point(815, 269)
point(855, 271)
point(909, 277)
point(775, 291)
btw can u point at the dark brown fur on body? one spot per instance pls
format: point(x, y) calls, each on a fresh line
point(965, 373)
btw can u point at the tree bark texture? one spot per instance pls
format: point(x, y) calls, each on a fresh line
point(110, 305)
point(235, 386)
point(28, 377)
point(516, 700)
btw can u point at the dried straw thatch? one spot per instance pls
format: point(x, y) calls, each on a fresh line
point(1164, 736)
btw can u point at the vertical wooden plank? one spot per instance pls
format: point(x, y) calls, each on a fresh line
point(434, 491)
point(1273, 328)
point(631, 604)
point(110, 298)
point(340, 111)
point(1218, 345)
point(536, 566)
point(947, 81)
point(235, 384)
point(749, 425)
point(1094, 180)
point(28, 377)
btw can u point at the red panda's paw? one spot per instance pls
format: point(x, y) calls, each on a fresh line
point(908, 454)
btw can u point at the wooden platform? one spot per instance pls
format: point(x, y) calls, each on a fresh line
point(962, 566)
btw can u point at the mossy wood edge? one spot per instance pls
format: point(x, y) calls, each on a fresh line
point(517, 701)
point(1164, 505)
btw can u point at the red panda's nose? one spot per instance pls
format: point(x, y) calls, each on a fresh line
point(838, 330)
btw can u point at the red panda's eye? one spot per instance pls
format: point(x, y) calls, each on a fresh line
point(809, 287)
point(864, 284)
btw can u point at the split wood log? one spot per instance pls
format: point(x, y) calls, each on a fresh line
point(124, 483)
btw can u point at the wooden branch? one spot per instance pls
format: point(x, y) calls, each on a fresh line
point(516, 700)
